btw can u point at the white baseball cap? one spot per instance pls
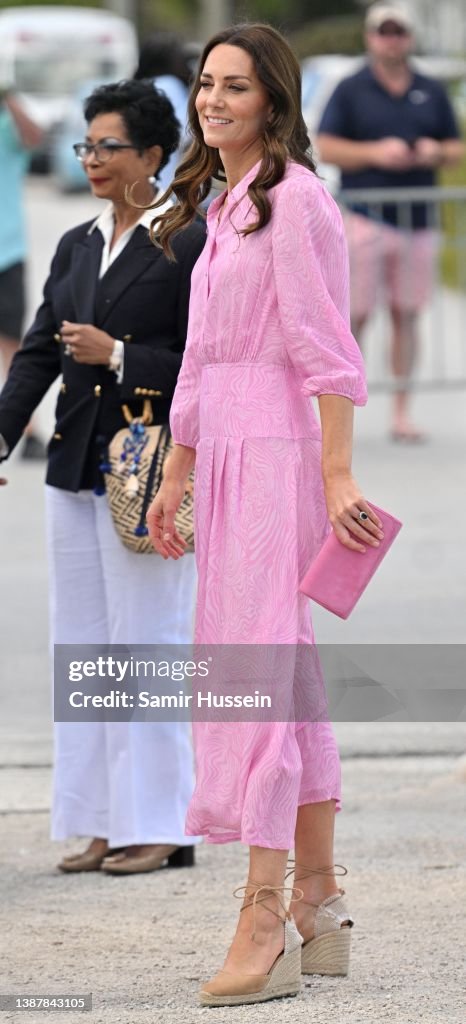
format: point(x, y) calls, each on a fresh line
point(378, 14)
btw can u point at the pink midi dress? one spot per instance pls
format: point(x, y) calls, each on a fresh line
point(268, 329)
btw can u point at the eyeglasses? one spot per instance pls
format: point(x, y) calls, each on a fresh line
point(392, 30)
point(103, 151)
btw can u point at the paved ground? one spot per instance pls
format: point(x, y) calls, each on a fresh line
point(142, 945)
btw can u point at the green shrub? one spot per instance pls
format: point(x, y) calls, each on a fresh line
point(453, 254)
point(329, 35)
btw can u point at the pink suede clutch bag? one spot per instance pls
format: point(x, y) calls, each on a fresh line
point(338, 576)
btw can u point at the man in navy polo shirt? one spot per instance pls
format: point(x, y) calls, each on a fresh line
point(388, 126)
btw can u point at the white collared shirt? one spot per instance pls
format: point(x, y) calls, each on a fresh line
point(105, 223)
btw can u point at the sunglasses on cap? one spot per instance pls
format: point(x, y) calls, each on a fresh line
point(390, 28)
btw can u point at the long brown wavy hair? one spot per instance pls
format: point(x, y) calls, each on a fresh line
point(285, 137)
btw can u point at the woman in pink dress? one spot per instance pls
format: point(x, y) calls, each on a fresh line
point(268, 328)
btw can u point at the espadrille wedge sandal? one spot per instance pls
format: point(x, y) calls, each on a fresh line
point(328, 952)
point(284, 976)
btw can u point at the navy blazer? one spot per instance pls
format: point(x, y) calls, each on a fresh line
point(142, 299)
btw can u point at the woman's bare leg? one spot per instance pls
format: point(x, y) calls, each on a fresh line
point(256, 956)
point(314, 838)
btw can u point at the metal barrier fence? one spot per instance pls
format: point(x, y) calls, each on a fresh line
point(408, 267)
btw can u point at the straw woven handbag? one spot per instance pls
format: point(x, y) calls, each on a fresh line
point(133, 473)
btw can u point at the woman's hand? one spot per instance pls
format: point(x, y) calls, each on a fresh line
point(344, 503)
point(86, 343)
point(161, 514)
point(161, 519)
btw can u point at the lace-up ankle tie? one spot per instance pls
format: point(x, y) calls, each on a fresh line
point(261, 894)
point(294, 867)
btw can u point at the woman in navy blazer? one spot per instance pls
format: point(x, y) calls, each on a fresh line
point(113, 323)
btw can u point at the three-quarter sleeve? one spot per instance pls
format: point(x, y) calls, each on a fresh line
point(312, 284)
point(184, 411)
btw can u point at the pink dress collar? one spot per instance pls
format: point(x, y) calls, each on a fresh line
point(237, 193)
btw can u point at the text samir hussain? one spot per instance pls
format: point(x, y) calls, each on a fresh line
point(204, 700)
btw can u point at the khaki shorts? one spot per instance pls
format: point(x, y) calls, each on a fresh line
point(389, 266)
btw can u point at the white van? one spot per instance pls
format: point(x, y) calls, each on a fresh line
point(46, 52)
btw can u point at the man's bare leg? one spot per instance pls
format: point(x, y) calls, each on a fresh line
point(404, 350)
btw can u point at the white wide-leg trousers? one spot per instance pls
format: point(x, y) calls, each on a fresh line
point(127, 782)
